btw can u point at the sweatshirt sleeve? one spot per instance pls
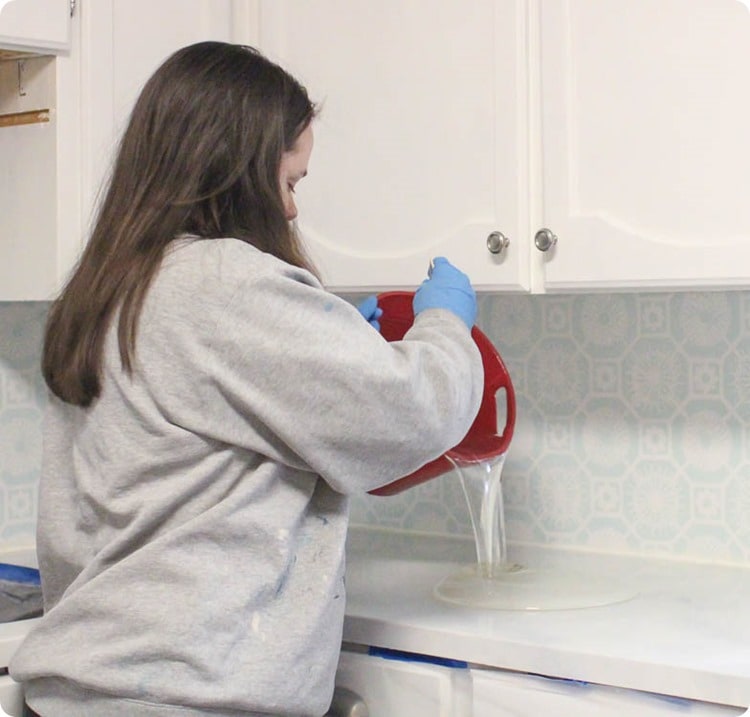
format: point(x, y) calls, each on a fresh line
point(293, 372)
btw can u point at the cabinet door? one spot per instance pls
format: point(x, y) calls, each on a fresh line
point(419, 145)
point(27, 179)
point(393, 688)
point(51, 173)
point(35, 24)
point(127, 40)
point(505, 694)
point(11, 698)
point(39, 170)
point(645, 110)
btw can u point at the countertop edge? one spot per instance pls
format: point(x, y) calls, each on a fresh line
point(697, 654)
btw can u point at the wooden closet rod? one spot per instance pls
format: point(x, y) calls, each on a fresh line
point(18, 118)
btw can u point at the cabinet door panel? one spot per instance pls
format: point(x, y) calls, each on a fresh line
point(417, 143)
point(145, 33)
point(27, 234)
point(644, 121)
point(506, 694)
point(393, 688)
point(35, 24)
point(127, 41)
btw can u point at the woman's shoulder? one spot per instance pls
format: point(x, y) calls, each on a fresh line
point(222, 256)
point(223, 263)
point(200, 277)
point(204, 284)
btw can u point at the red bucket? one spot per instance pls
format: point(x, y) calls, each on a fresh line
point(482, 442)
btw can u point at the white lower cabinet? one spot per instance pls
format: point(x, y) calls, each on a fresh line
point(392, 684)
point(508, 694)
point(11, 697)
point(399, 688)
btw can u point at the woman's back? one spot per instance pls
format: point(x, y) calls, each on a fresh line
point(205, 556)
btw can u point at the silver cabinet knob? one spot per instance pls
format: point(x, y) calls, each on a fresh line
point(545, 239)
point(497, 243)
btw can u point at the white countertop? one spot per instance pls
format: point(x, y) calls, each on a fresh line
point(684, 632)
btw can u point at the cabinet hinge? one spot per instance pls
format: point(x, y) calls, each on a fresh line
point(72, 7)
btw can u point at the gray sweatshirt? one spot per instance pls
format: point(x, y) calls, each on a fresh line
point(192, 521)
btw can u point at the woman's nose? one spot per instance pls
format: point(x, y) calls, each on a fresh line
point(291, 210)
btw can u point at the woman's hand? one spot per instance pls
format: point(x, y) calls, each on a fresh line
point(370, 310)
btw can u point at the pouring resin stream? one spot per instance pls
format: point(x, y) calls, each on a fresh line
point(495, 582)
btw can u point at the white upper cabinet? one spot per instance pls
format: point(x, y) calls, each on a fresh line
point(645, 110)
point(35, 24)
point(39, 162)
point(128, 40)
point(61, 116)
point(419, 145)
point(620, 127)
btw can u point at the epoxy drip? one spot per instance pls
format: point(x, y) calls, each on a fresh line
point(494, 582)
point(482, 486)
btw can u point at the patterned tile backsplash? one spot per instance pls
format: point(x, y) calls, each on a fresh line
point(631, 431)
point(22, 401)
point(631, 428)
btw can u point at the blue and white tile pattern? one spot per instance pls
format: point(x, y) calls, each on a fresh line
point(632, 427)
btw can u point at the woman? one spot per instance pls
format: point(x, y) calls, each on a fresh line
point(212, 408)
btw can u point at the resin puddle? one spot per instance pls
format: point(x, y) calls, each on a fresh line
point(494, 582)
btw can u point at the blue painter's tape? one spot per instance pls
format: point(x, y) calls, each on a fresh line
point(402, 656)
point(19, 574)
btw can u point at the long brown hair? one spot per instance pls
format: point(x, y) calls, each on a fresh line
point(200, 155)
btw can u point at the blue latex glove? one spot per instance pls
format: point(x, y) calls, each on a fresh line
point(447, 288)
point(370, 310)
